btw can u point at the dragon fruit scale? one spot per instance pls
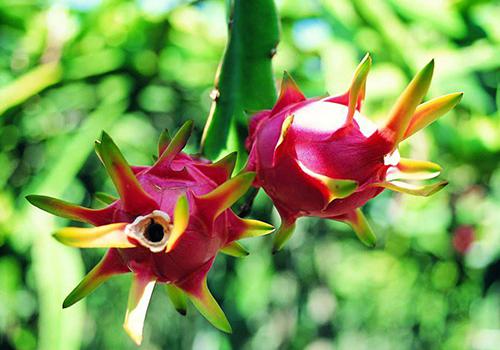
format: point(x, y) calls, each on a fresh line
point(321, 157)
point(171, 220)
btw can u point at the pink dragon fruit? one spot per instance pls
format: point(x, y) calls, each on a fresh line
point(170, 222)
point(321, 157)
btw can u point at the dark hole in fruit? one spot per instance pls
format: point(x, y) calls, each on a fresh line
point(154, 232)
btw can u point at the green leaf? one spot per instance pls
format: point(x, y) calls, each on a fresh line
point(245, 81)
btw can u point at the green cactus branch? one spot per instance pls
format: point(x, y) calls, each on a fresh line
point(244, 82)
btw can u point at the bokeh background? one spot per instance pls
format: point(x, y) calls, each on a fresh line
point(70, 68)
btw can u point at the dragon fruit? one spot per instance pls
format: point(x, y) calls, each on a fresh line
point(168, 225)
point(321, 157)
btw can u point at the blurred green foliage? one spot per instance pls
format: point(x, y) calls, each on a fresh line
point(70, 68)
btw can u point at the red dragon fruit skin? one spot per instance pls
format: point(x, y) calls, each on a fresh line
point(321, 157)
point(168, 225)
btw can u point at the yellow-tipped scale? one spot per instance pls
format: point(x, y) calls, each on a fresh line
point(108, 266)
point(334, 188)
point(234, 249)
point(227, 163)
point(287, 123)
point(138, 302)
point(428, 112)
point(224, 196)
point(209, 308)
point(133, 196)
point(66, 210)
point(289, 93)
point(401, 113)
point(253, 228)
point(107, 236)
point(411, 169)
point(181, 221)
point(177, 298)
point(361, 227)
point(175, 145)
point(163, 142)
point(105, 198)
point(358, 86)
point(413, 189)
point(283, 235)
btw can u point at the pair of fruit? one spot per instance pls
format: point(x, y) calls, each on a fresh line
point(313, 157)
